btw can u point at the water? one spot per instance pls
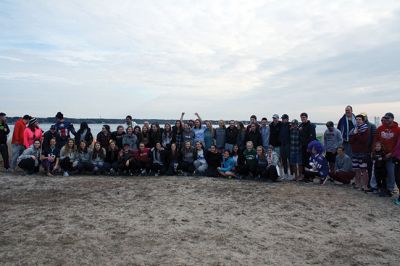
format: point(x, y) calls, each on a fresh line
point(96, 128)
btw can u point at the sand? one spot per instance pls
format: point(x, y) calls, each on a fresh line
point(191, 221)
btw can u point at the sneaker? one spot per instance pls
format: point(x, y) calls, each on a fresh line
point(65, 174)
point(397, 202)
point(143, 172)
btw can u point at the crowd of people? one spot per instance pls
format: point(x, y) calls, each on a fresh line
point(354, 152)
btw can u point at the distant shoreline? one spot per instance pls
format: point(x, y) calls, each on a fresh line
point(52, 120)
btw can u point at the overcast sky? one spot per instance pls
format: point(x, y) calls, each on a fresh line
point(223, 59)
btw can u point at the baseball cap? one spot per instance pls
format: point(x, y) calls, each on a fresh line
point(275, 116)
point(388, 115)
point(285, 116)
point(53, 127)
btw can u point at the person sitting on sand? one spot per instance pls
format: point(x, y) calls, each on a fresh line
point(83, 158)
point(125, 160)
point(200, 163)
point(111, 160)
point(272, 157)
point(50, 158)
point(67, 157)
point(262, 162)
point(142, 160)
point(158, 160)
point(332, 140)
point(228, 165)
point(29, 160)
point(172, 159)
point(213, 158)
point(343, 171)
point(249, 166)
point(187, 158)
point(98, 158)
point(318, 165)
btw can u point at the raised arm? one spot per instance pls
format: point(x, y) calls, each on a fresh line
point(196, 114)
point(181, 119)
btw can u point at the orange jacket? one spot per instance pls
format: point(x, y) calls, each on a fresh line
point(18, 134)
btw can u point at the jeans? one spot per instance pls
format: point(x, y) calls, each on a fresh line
point(200, 166)
point(16, 152)
point(390, 175)
point(347, 149)
point(229, 147)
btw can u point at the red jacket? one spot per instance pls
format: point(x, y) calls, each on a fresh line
point(388, 136)
point(359, 141)
point(142, 156)
point(18, 135)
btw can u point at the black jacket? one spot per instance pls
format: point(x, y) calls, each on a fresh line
point(274, 138)
point(112, 155)
point(88, 137)
point(117, 138)
point(47, 136)
point(255, 137)
point(231, 135)
point(213, 159)
point(306, 133)
point(4, 131)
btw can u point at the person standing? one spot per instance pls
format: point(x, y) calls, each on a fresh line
point(332, 141)
point(388, 134)
point(359, 145)
point(17, 142)
point(32, 132)
point(231, 134)
point(104, 136)
point(84, 133)
point(275, 128)
point(253, 120)
point(4, 131)
point(64, 130)
point(118, 136)
point(295, 151)
point(265, 132)
point(345, 125)
point(284, 138)
point(306, 135)
point(129, 121)
point(253, 135)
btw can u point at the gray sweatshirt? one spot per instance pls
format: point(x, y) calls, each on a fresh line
point(28, 153)
point(84, 157)
point(64, 154)
point(343, 163)
point(332, 140)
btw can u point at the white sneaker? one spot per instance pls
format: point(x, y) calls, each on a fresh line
point(66, 174)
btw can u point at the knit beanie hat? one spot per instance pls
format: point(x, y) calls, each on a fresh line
point(32, 121)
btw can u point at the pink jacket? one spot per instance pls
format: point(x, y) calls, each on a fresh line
point(30, 136)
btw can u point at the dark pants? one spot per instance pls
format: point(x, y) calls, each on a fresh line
point(397, 173)
point(246, 170)
point(140, 165)
point(285, 154)
point(28, 165)
point(85, 166)
point(305, 156)
point(107, 166)
point(66, 164)
point(173, 168)
point(270, 173)
point(4, 154)
point(187, 167)
point(342, 177)
point(212, 171)
point(47, 165)
point(156, 167)
point(380, 176)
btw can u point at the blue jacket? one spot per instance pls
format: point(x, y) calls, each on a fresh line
point(227, 165)
point(320, 164)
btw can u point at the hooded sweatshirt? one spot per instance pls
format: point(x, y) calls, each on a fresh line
point(388, 136)
point(28, 153)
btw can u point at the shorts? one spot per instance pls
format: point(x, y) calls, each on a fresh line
point(359, 161)
point(295, 158)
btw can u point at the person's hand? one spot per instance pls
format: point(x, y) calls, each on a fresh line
point(218, 168)
point(355, 130)
point(388, 155)
point(33, 157)
point(127, 163)
point(196, 114)
point(183, 113)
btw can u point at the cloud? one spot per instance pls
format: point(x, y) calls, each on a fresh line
point(220, 58)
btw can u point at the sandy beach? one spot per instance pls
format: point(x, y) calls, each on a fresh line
point(190, 221)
